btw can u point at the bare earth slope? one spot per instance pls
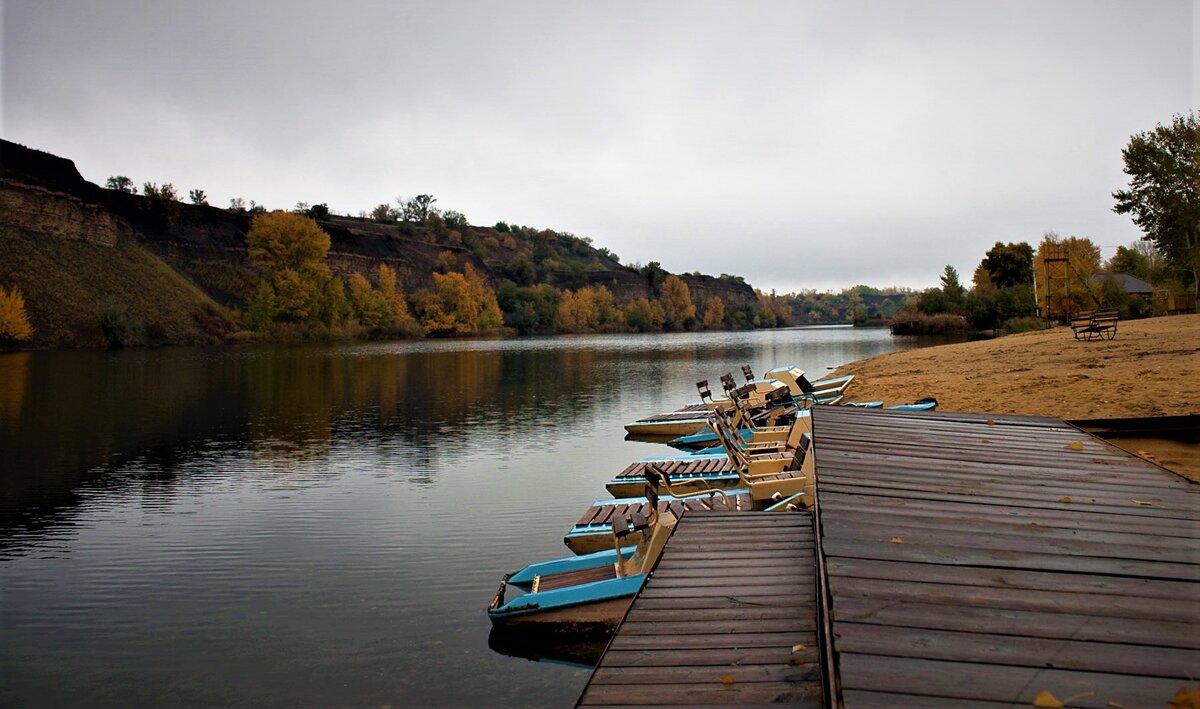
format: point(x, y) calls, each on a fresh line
point(1151, 368)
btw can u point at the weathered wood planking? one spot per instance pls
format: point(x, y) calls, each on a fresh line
point(728, 617)
point(977, 560)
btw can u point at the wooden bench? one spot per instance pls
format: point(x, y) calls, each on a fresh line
point(1098, 324)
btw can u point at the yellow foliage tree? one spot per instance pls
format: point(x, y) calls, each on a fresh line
point(281, 241)
point(290, 249)
point(589, 309)
point(677, 303)
point(458, 304)
point(370, 306)
point(714, 313)
point(1064, 286)
point(14, 321)
point(401, 317)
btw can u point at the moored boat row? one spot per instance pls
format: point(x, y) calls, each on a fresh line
point(759, 457)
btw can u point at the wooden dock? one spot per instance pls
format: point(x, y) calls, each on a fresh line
point(728, 617)
point(982, 560)
point(963, 560)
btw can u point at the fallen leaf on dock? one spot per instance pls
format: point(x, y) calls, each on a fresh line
point(897, 540)
point(1145, 503)
point(1075, 446)
point(1065, 500)
point(1186, 698)
point(1047, 700)
point(727, 679)
point(991, 422)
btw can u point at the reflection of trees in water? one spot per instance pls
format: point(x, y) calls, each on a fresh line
point(133, 419)
point(14, 372)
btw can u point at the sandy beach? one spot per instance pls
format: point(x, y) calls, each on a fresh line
point(1151, 368)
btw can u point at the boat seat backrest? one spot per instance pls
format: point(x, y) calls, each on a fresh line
point(620, 526)
point(727, 382)
point(747, 372)
point(705, 392)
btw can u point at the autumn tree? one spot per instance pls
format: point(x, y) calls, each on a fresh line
point(1065, 287)
point(458, 304)
point(1164, 191)
point(589, 309)
point(714, 313)
point(290, 250)
point(14, 321)
point(677, 303)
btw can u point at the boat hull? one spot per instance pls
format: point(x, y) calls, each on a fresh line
point(595, 618)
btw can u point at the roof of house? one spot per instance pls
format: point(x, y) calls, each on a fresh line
point(1132, 284)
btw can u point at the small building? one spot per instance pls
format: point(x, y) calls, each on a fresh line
point(1132, 284)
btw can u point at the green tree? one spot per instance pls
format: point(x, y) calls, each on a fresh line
point(120, 183)
point(161, 204)
point(654, 274)
point(1164, 191)
point(529, 310)
point(14, 321)
point(418, 209)
point(1009, 264)
point(952, 288)
point(198, 197)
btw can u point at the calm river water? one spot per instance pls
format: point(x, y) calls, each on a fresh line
point(317, 526)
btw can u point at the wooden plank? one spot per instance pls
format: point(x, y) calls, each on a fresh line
point(1115, 485)
point(1009, 559)
point(1005, 538)
point(1133, 512)
point(1186, 506)
point(1008, 649)
point(746, 614)
point(1018, 685)
point(715, 656)
point(802, 694)
point(1059, 515)
point(1107, 605)
point(1011, 578)
point(890, 700)
point(1032, 624)
point(782, 672)
point(783, 600)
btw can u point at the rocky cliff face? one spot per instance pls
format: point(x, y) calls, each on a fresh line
point(45, 196)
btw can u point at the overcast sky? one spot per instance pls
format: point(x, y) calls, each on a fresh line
point(798, 144)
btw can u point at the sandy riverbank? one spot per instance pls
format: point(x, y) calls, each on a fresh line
point(1151, 368)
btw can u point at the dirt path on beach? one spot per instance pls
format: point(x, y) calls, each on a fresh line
point(1151, 368)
